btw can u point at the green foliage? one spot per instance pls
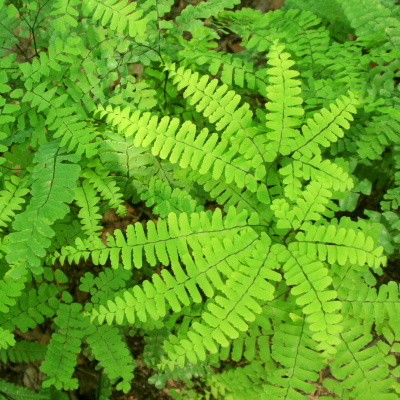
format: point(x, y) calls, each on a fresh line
point(104, 389)
point(108, 347)
point(23, 351)
point(20, 393)
point(246, 280)
point(65, 342)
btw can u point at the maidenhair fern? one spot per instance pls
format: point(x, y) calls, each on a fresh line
point(244, 164)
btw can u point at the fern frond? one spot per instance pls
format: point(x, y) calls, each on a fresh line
point(9, 290)
point(43, 99)
point(54, 181)
point(11, 198)
point(159, 194)
point(293, 348)
point(137, 95)
point(391, 201)
point(246, 382)
point(338, 245)
point(309, 279)
point(67, 231)
point(373, 23)
point(371, 306)
point(182, 146)
point(77, 133)
point(190, 14)
point(118, 16)
point(6, 339)
point(282, 25)
point(324, 127)
point(325, 171)
point(233, 196)
point(31, 308)
point(362, 369)
point(248, 282)
point(284, 102)
point(41, 66)
point(216, 104)
point(311, 208)
point(380, 131)
point(105, 185)
point(104, 286)
point(19, 392)
point(109, 348)
point(234, 70)
point(8, 111)
point(331, 13)
point(64, 346)
point(164, 241)
point(7, 13)
point(23, 352)
point(200, 269)
point(131, 164)
point(250, 345)
point(68, 12)
point(154, 351)
point(85, 197)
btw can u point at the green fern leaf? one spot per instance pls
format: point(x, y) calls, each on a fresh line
point(63, 347)
point(6, 339)
point(85, 197)
point(132, 165)
point(51, 190)
point(12, 198)
point(339, 246)
point(105, 185)
point(119, 16)
point(308, 209)
point(31, 308)
point(23, 352)
point(104, 286)
point(68, 13)
point(112, 353)
point(364, 372)
point(10, 289)
point(309, 279)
